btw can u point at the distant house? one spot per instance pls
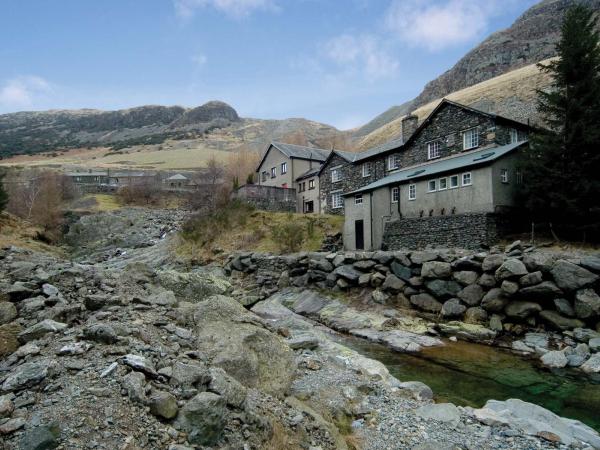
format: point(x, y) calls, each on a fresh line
point(288, 166)
point(178, 182)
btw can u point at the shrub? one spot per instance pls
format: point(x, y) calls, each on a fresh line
point(288, 236)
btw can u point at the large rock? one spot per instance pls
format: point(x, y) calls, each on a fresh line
point(545, 290)
point(193, 286)
point(100, 332)
point(492, 262)
point(591, 263)
point(227, 387)
point(26, 375)
point(441, 412)
point(453, 308)
point(422, 257)
point(554, 359)
point(43, 437)
point(203, 418)
point(401, 271)
point(348, 272)
point(234, 339)
point(471, 294)
point(522, 310)
point(558, 322)
point(426, 302)
point(511, 268)
point(8, 312)
point(393, 284)
point(533, 420)
point(587, 304)
point(475, 315)
point(163, 404)
point(570, 277)
point(443, 289)
point(436, 269)
point(189, 374)
point(40, 329)
point(465, 277)
point(564, 307)
point(468, 331)
point(592, 365)
point(531, 278)
point(495, 300)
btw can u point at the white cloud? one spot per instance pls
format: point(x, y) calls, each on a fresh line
point(236, 9)
point(199, 60)
point(365, 54)
point(439, 25)
point(22, 92)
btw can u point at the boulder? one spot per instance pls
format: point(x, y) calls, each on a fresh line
point(545, 290)
point(426, 302)
point(495, 300)
point(401, 271)
point(558, 322)
point(453, 308)
point(140, 364)
point(467, 331)
point(594, 344)
point(189, 374)
point(95, 302)
point(100, 332)
point(321, 264)
point(393, 284)
point(303, 341)
point(348, 272)
point(465, 277)
point(163, 404)
point(443, 289)
point(227, 387)
point(420, 391)
point(487, 280)
point(436, 269)
point(554, 359)
point(8, 312)
point(193, 286)
point(40, 329)
point(492, 262)
point(134, 384)
point(584, 334)
point(533, 420)
point(509, 287)
point(521, 309)
point(466, 264)
point(475, 315)
point(42, 437)
point(587, 304)
point(364, 279)
point(471, 294)
point(378, 296)
point(510, 269)
point(422, 257)
point(441, 412)
point(26, 375)
point(364, 265)
point(592, 365)
point(203, 418)
point(538, 261)
point(591, 263)
point(571, 277)
point(564, 307)
point(496, 323)
point(248, 352)
point(531, 278)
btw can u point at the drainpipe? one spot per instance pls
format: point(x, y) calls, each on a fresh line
point(371, 218)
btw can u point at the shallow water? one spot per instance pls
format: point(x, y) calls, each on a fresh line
point(470, 374)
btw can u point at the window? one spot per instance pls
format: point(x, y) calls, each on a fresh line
point(431, 186)
point(395, 194)
point(336, 200)
point(336, 175)
point(453, 181)
point(466, 179)
point(470, 139)
point(443, 184)
point(311, 184)
point(514, 136)
point(366, 169)
point(504, 175)
point(393, 162)
point(412, 192)
point(265, 174)
point(434, 150)
point(283, 168)
point(358, 199)
point(273, 172)
point(519, 177)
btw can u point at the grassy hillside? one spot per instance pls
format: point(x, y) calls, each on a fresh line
point(511, 95)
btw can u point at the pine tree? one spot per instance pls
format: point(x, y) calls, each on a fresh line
point(562, 164)
point(3, 194)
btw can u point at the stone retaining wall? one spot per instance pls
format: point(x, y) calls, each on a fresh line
point(473, 231)
point(510, 290)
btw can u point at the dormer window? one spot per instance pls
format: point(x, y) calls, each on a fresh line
point(470, 139)
point(366, 169)
point(434, 150)
point(393, 162)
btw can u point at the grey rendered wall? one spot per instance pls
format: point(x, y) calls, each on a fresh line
point(274, 159)
point(309, 195)
point(504, 193)
point(357, 212)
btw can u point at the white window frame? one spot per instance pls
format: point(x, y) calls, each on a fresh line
point(470, 183)
point(457, 178)
point(311, 184)
point(393, 162)
point(412, 192)
point(440, 188)
point(472, 136)
point(504, 176)
point(273, 172)
point(283, 168)
point(514, 135)
point(358, 199)
point(337, 171)
point(434, 149)
point(429, 183)
point(366, 169)
point(395, 194)
point(335, 195)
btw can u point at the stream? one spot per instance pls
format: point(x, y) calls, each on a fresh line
point(469, 374)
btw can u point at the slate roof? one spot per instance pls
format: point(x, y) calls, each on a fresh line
point(448, 164)
point(309, 173)
point(177, 177)
point(296, 151)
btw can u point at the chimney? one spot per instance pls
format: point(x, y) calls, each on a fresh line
point(409, 126)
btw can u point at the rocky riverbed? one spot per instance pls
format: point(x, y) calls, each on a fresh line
point(122, 347)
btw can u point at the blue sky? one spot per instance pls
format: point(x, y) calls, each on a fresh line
point(340, 62)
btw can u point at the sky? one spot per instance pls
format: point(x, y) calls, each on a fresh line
point(339, 62)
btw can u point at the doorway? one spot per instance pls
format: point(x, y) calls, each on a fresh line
point(359, 233)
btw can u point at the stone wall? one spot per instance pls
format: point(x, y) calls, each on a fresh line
point(267, 198)
point(507, 290)
point(472, 231)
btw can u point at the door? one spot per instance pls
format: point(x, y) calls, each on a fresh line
point(359, 233)
point(309, 207)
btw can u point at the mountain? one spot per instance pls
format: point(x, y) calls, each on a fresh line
point(530, 39)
